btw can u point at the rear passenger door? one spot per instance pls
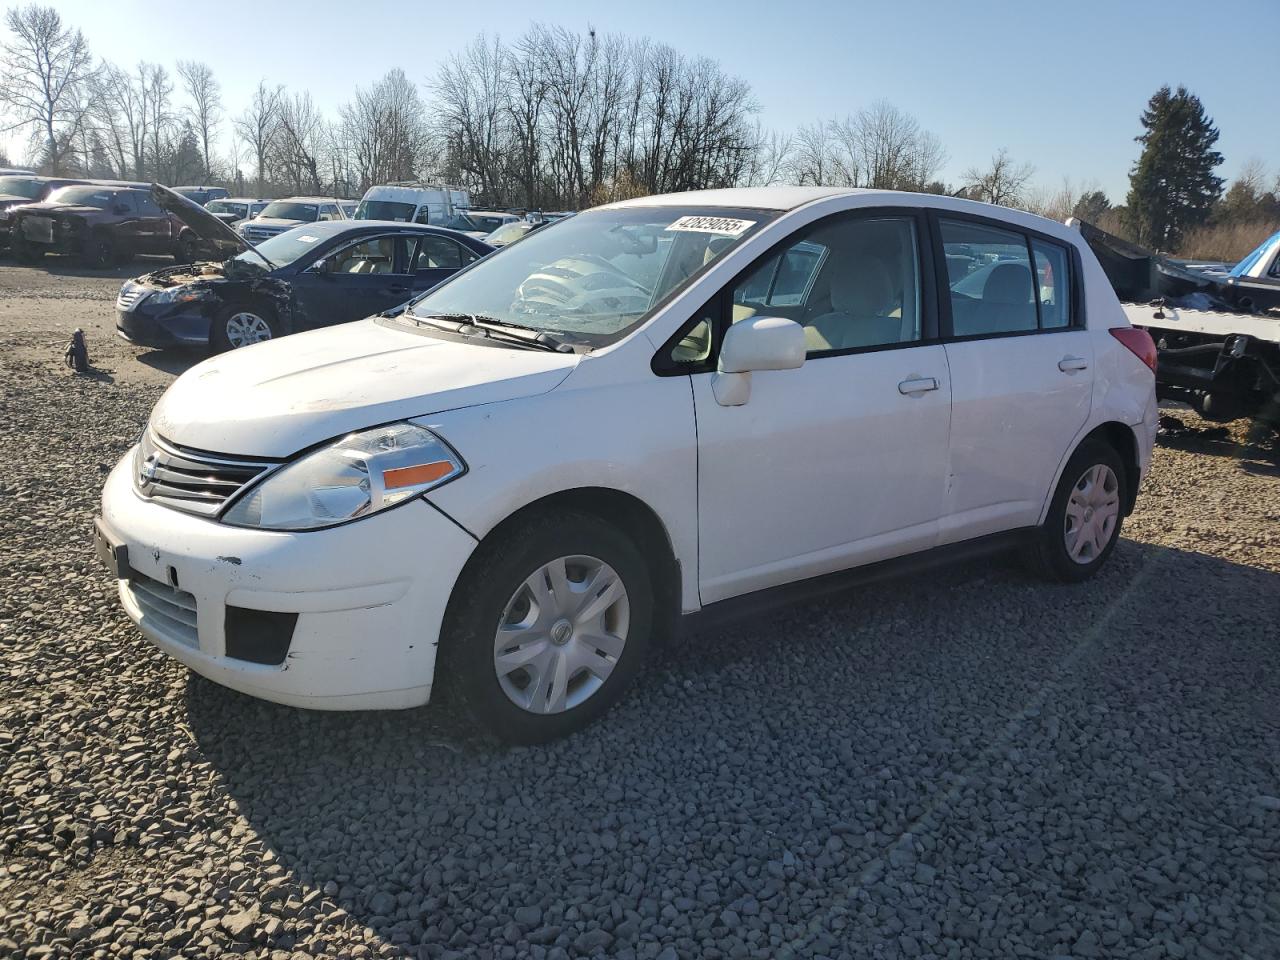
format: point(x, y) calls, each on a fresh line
point(156, 229)
point(1021, 370)
point(437, 259)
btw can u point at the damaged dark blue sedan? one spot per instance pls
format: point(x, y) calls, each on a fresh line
point(315, 275)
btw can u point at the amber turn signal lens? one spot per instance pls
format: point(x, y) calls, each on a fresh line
point(412, 476)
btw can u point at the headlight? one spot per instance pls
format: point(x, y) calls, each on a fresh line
point(356, 476)
point(180, 295)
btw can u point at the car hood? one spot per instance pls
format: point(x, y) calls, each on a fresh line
point(206, 226)
point(276, 398)
point(48, 209)
point(275, 222)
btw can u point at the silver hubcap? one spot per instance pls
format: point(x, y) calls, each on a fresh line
point(246, 328)
point(1092, 511)
point(561, 634)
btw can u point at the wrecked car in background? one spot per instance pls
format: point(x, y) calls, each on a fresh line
point(102, 224)
point(19, 190)
point(312, 276)
point(1217, 329)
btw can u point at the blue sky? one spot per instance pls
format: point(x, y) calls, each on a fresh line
point(1060, 85)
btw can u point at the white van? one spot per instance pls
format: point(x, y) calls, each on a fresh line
point(411, 203)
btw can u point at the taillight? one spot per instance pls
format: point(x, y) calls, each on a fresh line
point(1139, 343)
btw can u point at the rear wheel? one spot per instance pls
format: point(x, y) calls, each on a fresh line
point(185, 249)
point(1085, 516)
point(547, 627)
point(241, 325)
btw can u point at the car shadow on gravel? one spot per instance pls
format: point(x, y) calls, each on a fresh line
point(174, 361)
point(1253, 444)
point(976, 711)
point(63, 266)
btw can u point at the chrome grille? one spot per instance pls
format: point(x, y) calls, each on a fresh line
point(192, 480)
point(129, 296)
point(254, 234)
point(171, 611)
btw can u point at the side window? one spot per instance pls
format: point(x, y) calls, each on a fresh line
point(850, 282)
point(329, 212)
point(424, 215)
point(374, 256)
point(441, 253)
point(1053, 275)
point(146, 206)
point(989, 273)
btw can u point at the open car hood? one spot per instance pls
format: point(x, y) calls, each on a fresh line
point(207, 226)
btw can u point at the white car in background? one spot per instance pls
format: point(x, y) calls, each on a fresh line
point(662, 407)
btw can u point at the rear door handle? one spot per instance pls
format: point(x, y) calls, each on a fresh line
point(1072, 364)
point(917, 385)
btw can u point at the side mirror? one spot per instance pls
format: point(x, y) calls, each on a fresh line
point(757, 343)
point(327, 267)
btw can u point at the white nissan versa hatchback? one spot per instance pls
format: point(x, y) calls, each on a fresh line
point(659, 407)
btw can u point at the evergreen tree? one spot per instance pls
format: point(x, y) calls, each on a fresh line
point(1172, 186)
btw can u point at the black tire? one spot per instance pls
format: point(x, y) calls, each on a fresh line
point(22, 251)
point(99, 250)
point(1048, 554)
point(492, 578)
point(220, 336)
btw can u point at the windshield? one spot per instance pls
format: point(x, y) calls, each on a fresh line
point(286, 210)
point(21, 187)
point(384, 210)
point(595, 276)
point(461, 222)
point(84, 196)
point(487, 224)
point(223, 206)
point(507, 234)
point(282, 249)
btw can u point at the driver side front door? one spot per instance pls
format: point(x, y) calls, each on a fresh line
point(842, 461)
point(358, 280)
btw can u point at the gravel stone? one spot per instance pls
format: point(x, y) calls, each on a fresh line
point(967, 764)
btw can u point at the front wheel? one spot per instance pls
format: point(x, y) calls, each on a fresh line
point(1085, 516)
point(241, 326)
point(99, 251)
point(22, 251)
point(547, 627)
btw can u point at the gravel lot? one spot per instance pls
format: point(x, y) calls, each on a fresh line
point(968, 764)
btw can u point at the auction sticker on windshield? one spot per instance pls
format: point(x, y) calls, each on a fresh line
point(727, 226)
point(307, 238)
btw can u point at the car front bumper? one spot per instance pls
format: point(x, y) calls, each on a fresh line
point(369, 597)
point(177, 325)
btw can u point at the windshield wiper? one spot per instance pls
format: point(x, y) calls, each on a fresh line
point(487, 327)
point(541, 339)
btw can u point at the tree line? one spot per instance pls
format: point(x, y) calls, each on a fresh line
point(565, 119)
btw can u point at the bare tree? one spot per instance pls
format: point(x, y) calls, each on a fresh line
point(205, 108)
point(157, 100)
point(895, 152)
point(44, 74)
point(384, 130)
point(298, 149)
point(1004, 182)
point(258, 127)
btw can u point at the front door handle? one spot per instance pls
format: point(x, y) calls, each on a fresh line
point(397, 289)
point(1073, 364)
point(917, 385)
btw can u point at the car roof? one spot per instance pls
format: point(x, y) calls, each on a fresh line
point(756, 198)
point(239, 200)
point(309, 199)
point(331, 228)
